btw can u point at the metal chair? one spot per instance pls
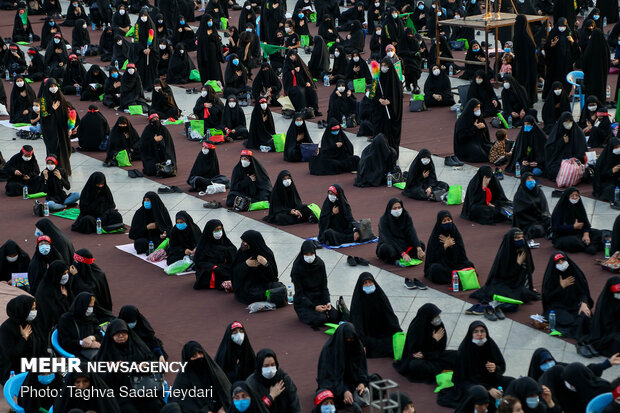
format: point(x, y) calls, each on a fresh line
point(11, 389)
point(575, 78)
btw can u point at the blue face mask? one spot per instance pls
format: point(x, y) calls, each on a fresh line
point(46, 379)
point(369, 289)
point(181, 226)
point(447, 226)
point(595, 17)
point(182, 22)
point(242, 405)
point(421, 7)
point(519, 243)
point(530, 185)
point(114, 75)
point(335, 132)
point(507, 49)
point(300, 15)
point(52, 23)
point(235, 62)
point(328, 408)
point(546, 366)
point(147, 204)
point(210, 23)
point(528, 128)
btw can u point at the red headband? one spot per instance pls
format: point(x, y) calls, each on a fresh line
point(33, 52)
point(208, 145)
point(236, 324)
point(27, 153)
point(615, 288)
point(72, 56)
point(51, 158)
point(558, 257)
point(44, 238)
point(83, 260)
point(153, 116)
point(263, 100)
point(616, 392)
point(333, 189)
point(322, 396)
point(335, 127)
point(246, 152)
point(131, 65)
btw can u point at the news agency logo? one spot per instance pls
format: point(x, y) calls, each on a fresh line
point(75, 365)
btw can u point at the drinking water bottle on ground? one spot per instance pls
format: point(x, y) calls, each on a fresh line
point(455, 282)
point(617, 195)
point(46, 209)
point(551, 320)
point(326, 80)
point(607, 248)
point(518, 170)
point(151, 247)
point(389, 179)
point(289, 294)
point(99, 229)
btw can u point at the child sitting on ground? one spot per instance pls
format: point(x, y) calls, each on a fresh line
point(499, 154)
point(35, 117)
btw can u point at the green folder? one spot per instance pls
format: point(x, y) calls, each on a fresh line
point(135, 110)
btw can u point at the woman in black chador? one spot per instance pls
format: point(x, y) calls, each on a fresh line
point(471, 135)
point(150, 223)
point(147, 55)
point(525, 62)
point(296, 135)
point(156, 147)
point(96, 201)
point(206, 170)
point(388, 104)
point(235, 354)
point(397, 235)
point(422, 182)
point(571, 229)
point(214, 257)
point(605, 332)
point(377, 160)
point(336, 155)
point(566, 140)
point(285, 205)
point(209, 50)
point(336, 223)
point(54, 117)
point(249, 179)
point(485, 199)
point(531, 211)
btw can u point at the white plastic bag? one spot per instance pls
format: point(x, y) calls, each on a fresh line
point(260, 306)
point(215, 188)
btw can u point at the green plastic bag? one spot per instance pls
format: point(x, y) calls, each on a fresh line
point(330, 44)
point(417, 96)
point(466, 43)
point(304, 40)
point(278, 141)
point(135, 110)
point(555, 333)
point(313, 17)
point(501, 118)
point(198, 125)
point(223, 23)
point(37, 195)
point(506, 300)
point(178, 266)
point(359, 85)
point(123, 158)
point(215, 132)
point(125, 65)
point(411, 263)
point(455, 195)
point(257, 206)
point(469, 278)
point(214, 85)
point(131, 31)
point(398, 344)
point(400, 185)
point(101, 97)
point(194, 75)
point(444, 381)
point(316, 210)
point(332, 328)
point(163, 245)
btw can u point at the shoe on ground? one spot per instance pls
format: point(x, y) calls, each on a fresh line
point(448, 161)
point(362, 261)
point(457, 160)
point(410, 284)
point(584, 351)
point(317, 245)
point(592, 350)
point(476, 309)
point(212, 205)
point(499, 313)
point(489, 313)
point(420, 284)
point(351, 261)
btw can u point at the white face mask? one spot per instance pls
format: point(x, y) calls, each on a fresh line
point(245, 163)
point(131, 71)
point(573, 201)
point(562, 267)
point(356, 59)
point(157, 89)
point(569, 386)
point(336, 53)
point(385, 69)
point(248, 7)
point(558, 92)
point(299, 123)
point(26, 158)
point(436, 321)
point(263, 106)
point(436, 72)
point(121, 12)
point(36, 109)
point(617, 296)
point(567, 125)
point(378, 32)
point(161, 46)
point(12, 259)
point(616, 151)
point(50, 167)
point(477, 112)
point(181, 51)
point(561, 29)
point(84, 26)
point(367, 94)
point(425, 161)
point(218, 234)
point(592, 108)
point(390, 55)
point(309, 258)
point(89, 311)
point(64, 279)
point(506, 85)
point(205, 151)
point(287, 29)
point(341, 89)
point(237, 338)
point(232, 104)
point(479, 81)
point(144, 19)
point(396, 212)
point(19, 84)
point(377, 4)
point(287, 182)
point(332, 198)
point(479, 343)
point(203, 93)
point(269, 372)
point(53, 89)
point(31, 315)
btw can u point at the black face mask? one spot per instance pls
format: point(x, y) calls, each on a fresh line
point(155, 124)
point(244, 247)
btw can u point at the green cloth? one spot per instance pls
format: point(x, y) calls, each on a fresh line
point(214, 85)
point(125, 65)
point(70, 213)
point(269, 49)
point(101, 97)
point(444, 381)
point(359, 85)
point(398, 344)
point(37, 195)
point(198, 125)
point(455, 195)
point(316, 210)
point(469, 279)
point(409, 24)
point(417, 96)
point(116, 231)
point(122, 158)
point(332, 328)
point(257, 206)
point(411, 263)
point(466, 43)
point(400, 185)
point(163, 245)
point(28, 80)
point(313, 17)
point(223, 23)
point(278, 141)
point(194, 75)
point(304, 40)
point(330, 44)
point(506, 300)
point(135, 110)
point(20, 125)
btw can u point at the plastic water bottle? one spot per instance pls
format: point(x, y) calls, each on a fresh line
point(552, 320)
point(455, 281)
point(344, 122)
point(458, 111)
point(509, 122)
point(607, 248)
point(617, 195)
point(7, 76)
point(46, 209)
point(99, 230)
point(94, 27)
point(25, 192)
point(151, 247)
point(501, 390)
point(248, 97)
point(344, 3)
point(389, 179)
point(30, 38)
point(289, 294)
point(336, 21)
point(208, 134)
point(116, 64)
point(425, 64)
point(604, 21)
point(326, 80)
point(78, 91)
point(14, 76)
point(518, 170)
point(450, 71)
point(608, 92)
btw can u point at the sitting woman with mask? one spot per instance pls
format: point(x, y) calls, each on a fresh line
point(571, 227)
point(312, 301)
point(296, 135)
point(214, 258)
point(556, 103)
point(13, 259)
point(566, 140)
point(437, 88)
point(97, 202)
point(274, 388)
point(112, 89)
point(163, 101)
point(471, 135)
point(184, 237)
point(607, 172)
point(233, 120)
point(141, 326)
point(516, 101)
point(235, 354)
point(150, 224)
point(397, 235)
point(92, 382)
point(529, 149)
point(157, 150)
point(249, 179)
point(422, 183)
point(485, 199)
point(285, 206)
point(78, 329)
point(531, 211)
point(373, 317)
point(336, 223)
point(482, 90)
point(342, 103)
point(604, 331)
point(42, 258)
point(262, 127)
point(336, 155)
point(123, 137)
point(53, 296)
point(533, 397)
point(180, 66)
point(206, 170)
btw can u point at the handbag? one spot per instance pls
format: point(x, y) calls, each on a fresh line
point(241, 203)
point(398, 344)
point(455, 195)
point(165, 169)
point(277, 296)
point(364, 227)
point(570, 174)
point(154, 381)
point(308, 150)
point(416, 104)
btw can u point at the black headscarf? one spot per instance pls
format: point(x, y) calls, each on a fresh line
point(516, 97)
point(455, 256)
point(233, 118)
point(310, 279)
point(555, 148)
point(228, 353)
point(67, 402)
point(470, 143)
point(439, 85)
point(50, 301)
point(603, 174)
point(399, 233)
point(530, 205)
point(342, 360)
point(153, 152)
point(133, 350)
point(287, 401)
point(60, 242)
point(205, 166)
point(7, 268)
point(364, 71)
point(239, 174)
point(550, 113)
point(131, 314)
point(475, 395)
point(376, 161)
point(344, 218)
point(187, 238)
point(202, 373)
point(131, 89)
point(39, 264)
point(331, 151)
point(261, 132)
point(415, 179)
point(118, 141)
point(158, 213)
point(586, 383)
point(282, 198)
point(540, 356)
point(604, 327)
point(565, 213)
point(256, 404)
point(529, 146)
point(292, 152)
point(470, 366)
point(266, 78)
point(476, 196)
point(92, 279)
point(19, 103)
point(95, 201)
point(210, 250)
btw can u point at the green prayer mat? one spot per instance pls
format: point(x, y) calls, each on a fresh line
point(69, 213)
point(278, 141)
point(37, 195)
point(257, 206)
point(411, 263)
point(400, 185)
point(135, 110)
